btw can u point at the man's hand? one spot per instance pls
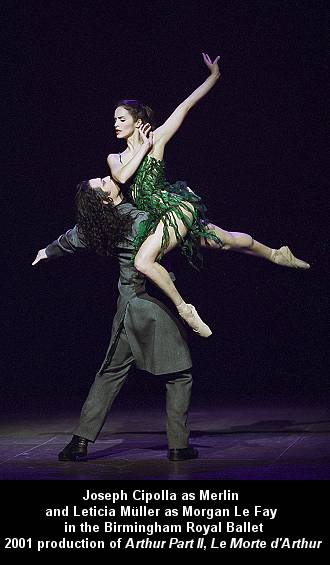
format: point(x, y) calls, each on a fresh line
point(40, 255)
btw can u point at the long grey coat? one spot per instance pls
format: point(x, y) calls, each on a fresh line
point(156, 337)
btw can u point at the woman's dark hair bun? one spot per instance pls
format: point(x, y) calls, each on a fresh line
point(138, 111)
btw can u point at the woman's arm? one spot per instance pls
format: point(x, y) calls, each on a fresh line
point(121, 173)
point(172, 124)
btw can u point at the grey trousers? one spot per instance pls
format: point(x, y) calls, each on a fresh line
point(108, 383)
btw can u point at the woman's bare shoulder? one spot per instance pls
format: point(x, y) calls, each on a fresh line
point(113, 156)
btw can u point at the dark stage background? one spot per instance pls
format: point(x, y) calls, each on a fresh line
point(252, 148)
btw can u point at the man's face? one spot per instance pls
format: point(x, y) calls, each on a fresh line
point(107, 185)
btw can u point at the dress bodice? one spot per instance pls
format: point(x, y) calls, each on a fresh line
point(149, 181)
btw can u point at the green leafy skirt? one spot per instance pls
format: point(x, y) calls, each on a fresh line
point(173, 202)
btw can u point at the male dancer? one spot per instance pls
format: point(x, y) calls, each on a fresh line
point(144, 332)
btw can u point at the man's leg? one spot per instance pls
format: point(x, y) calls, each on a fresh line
point(107, 384)
point(178, 394)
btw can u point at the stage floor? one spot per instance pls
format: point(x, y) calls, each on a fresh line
point(237, 442)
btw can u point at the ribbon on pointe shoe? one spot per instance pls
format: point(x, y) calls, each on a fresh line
point(285, 257)
point(189, 314)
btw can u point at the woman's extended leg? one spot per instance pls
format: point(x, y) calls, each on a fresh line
point(244, 243)
point(145, 263)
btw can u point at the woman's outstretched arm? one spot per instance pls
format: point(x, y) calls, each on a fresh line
point(172, 124)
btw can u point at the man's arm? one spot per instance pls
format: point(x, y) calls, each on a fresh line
point(69, 243)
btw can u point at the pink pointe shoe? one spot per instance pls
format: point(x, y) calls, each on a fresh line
point(284, 257)
point(189, 314)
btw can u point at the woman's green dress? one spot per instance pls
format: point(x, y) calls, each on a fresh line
point(167, 203)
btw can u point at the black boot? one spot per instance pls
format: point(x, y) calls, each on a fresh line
point(76, 450)
point(182, 454)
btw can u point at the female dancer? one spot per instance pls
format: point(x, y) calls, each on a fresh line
point(176, 214)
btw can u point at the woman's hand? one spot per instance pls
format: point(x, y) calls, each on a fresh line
point(213, 67)
point(146, 135)
point(40, 255)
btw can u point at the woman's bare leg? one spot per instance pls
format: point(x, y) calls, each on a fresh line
point(145, 263)
point(244, 243)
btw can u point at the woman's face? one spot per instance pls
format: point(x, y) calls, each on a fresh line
point(107, 185)
point(124, 123)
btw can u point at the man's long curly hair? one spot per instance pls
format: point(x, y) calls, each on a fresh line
point(101, 224)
